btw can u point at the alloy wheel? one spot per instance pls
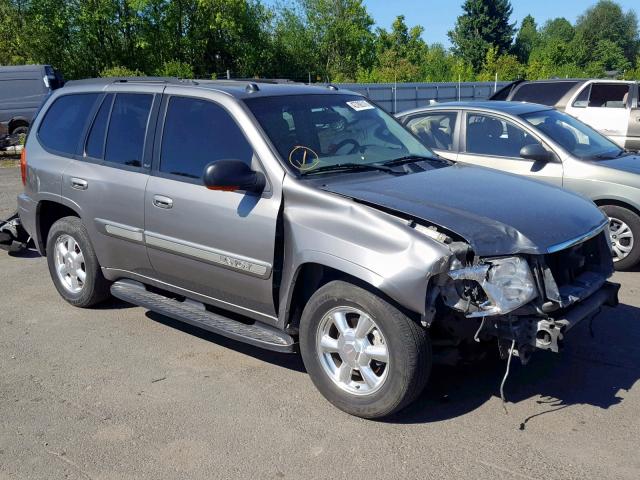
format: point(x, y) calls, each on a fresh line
point(352, 351)
point(69, 263)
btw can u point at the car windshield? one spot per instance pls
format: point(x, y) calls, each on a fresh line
point(330, 132)
point(575, 137)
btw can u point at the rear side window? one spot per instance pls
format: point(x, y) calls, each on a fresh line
point(128, 128)
point(97, 135)
point(196, 133)
point(609, 95)
point(546, 93)
point(435, 129)
point(64, 122)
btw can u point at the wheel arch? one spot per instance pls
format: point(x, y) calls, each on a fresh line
point(17, 122)
point(310, 276)
point(601, 202)
point(47, 213)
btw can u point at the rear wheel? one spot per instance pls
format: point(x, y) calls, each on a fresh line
point(73, 264)
point(364, 355)
point(624, 229)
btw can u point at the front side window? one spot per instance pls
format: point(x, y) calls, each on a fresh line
point(128, 128)
point(196, 133)
point(64, 122)
point(315, 131)
point(609, 95)
point(575, 137)
point(487, 135)
point(435, 129)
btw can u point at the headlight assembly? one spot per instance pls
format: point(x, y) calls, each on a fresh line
point(507, 283)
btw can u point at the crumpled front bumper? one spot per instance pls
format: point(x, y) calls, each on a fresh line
point(549, 332)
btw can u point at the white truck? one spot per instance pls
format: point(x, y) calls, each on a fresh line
point(609, 106)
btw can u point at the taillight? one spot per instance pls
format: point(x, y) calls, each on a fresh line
point(23, 165)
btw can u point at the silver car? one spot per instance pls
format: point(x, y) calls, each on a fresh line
point(296, 217)
point(544, 144)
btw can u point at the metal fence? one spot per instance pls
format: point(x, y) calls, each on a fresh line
point(403, 96)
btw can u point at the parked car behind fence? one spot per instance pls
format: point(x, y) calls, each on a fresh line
point(610, 106)
point(22, 90)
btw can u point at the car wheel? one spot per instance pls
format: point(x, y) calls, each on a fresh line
point(624, 229)
point(73, 264)
point(363, 354)
point(20, 130)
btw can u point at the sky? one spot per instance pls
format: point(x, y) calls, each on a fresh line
point(439, 16)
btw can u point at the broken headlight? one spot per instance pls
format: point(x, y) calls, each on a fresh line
point(507, 283)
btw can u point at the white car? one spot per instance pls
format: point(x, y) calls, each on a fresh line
point(609, 106)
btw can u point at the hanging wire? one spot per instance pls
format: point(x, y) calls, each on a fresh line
point(506, 374)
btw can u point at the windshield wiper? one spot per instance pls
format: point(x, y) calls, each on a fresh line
point(352, 167)
point(403, 160)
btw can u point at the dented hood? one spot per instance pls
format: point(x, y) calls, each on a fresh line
point(496, 213)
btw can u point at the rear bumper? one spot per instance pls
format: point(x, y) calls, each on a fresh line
point(27, 211)
point(550, 332)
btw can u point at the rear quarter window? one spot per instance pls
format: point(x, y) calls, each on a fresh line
point(545, 93)
point(64, 122)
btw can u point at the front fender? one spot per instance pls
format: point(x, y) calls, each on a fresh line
point(378, 248)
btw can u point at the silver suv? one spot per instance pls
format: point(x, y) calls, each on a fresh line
point(290, 216)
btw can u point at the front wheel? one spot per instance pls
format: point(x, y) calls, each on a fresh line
point(363, 354)
point(624, 229)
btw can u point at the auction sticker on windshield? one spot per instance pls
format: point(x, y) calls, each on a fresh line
point(359, 105)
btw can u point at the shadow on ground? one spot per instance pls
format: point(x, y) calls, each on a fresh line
point(589, 371)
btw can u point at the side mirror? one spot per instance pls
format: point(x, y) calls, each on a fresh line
point(537, 153)
point(232, 175)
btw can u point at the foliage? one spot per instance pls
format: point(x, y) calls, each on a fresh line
point(119, 71)
point(175, 68)
point(527, 39)
point(316, 40)
point(484, 24)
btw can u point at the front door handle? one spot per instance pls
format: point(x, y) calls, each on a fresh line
point(79, 183)
point(161, 201)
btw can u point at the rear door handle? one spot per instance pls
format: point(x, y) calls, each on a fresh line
point(161, 201)
point(79, 183)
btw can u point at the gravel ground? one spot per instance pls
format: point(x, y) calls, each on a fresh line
point(121, 393)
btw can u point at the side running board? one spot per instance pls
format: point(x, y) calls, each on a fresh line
point(195, 313)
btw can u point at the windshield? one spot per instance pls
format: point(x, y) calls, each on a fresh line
point(314, 133)
point(578, 139)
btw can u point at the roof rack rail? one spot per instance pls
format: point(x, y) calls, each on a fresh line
point(110, 80)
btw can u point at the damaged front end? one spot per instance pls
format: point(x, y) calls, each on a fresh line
point(527, 302)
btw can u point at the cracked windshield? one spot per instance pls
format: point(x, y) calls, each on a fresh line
point(319, 133)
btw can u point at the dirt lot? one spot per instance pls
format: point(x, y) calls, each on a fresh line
point(121, 393)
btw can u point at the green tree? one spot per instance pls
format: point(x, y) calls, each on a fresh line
point(527, 39)
point(484, 24)
point(401, 54)
point(342, 36)
point(606, 21)
point(506, 67)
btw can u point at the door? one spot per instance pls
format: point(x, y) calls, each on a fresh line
point(438, 130)
point(108, 180)
point(216, 243)
point(605, 107)
point(633, 133)
point(495, 142)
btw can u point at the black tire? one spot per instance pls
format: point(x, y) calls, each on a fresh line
point(633, 221)
point(408, 346)
point(20, 130)
point(95, 288)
